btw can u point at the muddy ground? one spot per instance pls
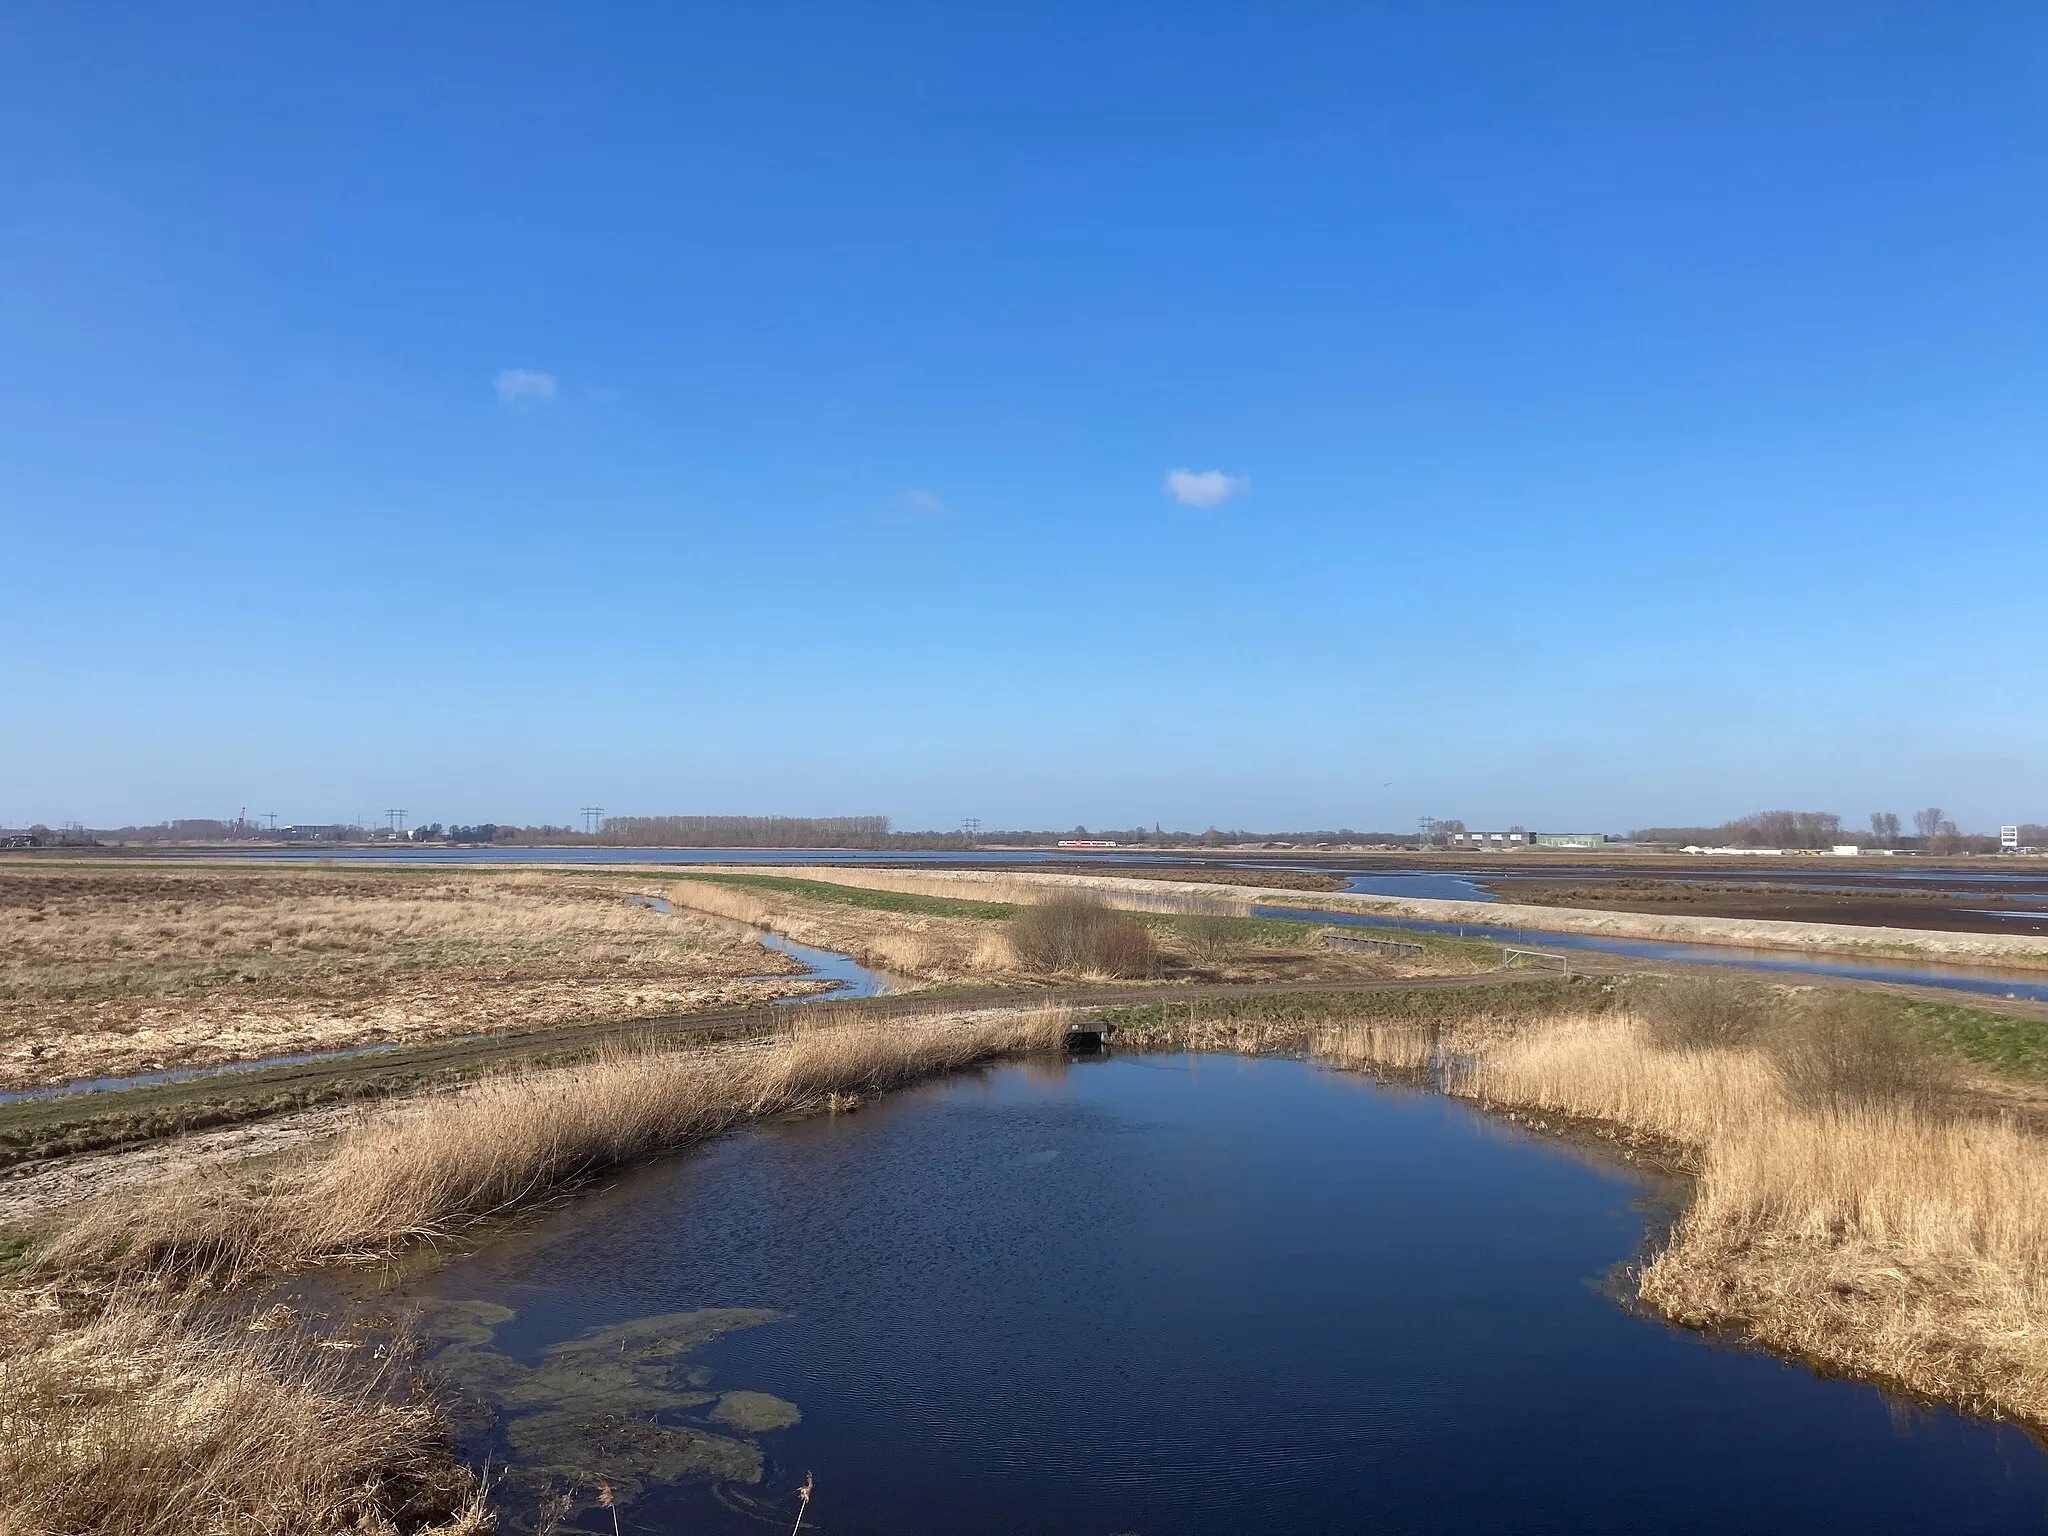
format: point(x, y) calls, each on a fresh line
point(1947, 910)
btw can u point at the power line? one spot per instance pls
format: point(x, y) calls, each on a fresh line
point(396, 819)
point(593, 818)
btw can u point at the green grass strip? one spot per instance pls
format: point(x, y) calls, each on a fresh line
point(2014, 1046)
point(1265, 932)
point(860, 896)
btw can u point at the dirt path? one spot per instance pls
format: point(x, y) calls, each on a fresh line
point(36, 1189)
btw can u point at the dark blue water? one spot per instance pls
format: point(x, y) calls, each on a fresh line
point(1197, 1295)
point(1955, 978)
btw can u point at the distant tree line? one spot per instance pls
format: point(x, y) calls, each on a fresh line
point(1933, 832)
point(747, 831)
point(483, 832)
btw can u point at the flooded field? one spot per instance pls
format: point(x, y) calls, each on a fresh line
point(1151, 1294)
point(1980, 895)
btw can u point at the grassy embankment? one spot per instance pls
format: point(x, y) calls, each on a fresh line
point(136, 1421)
point(944, 931)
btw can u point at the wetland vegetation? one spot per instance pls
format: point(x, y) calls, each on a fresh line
point(1867, 1178)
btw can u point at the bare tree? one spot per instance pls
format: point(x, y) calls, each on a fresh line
point(1928, 822)
point(1884, 827)
point(1785, 829)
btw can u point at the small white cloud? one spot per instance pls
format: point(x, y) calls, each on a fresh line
point(1204, 487)
point(922, 503)
point(521, 387)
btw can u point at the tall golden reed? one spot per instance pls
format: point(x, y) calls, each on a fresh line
point(139, 1422)
point(1903, 1240)
point(419, 1171)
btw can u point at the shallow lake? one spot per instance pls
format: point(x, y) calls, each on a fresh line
point(1162, 1294)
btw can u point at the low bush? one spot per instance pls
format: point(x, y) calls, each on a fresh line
point(1077, 935)
point(1843, 1050)
point(1703, 1013)
point(1210, 936)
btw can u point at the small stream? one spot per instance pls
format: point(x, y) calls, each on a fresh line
point(191, 1074)
point(853, 978)
point(2030, 986)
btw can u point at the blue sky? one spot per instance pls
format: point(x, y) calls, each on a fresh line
point(1611, 414)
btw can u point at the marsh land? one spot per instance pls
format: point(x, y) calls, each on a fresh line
point(1850, 1178)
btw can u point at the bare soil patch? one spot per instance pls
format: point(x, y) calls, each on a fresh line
point(1949, 911)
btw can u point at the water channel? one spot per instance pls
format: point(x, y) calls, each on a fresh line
point(2030, 986)
point(1160, 1294)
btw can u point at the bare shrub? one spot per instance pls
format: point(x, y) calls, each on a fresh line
point(1703, 1013)
point(1077, 935)
point(1209, 936)
point(1843, 1050)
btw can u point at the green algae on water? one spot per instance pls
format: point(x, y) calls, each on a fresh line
point(755, 1412)
point(624, 1404)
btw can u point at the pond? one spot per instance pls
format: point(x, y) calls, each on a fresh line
point(1161, 1294)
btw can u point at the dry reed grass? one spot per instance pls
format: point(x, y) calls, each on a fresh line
point(421, 1171)
point(120, 968)
point(912, 947)
point(137, 1422)
point(1853, 1206)
point(1904, 1247)
point(1850, 1209)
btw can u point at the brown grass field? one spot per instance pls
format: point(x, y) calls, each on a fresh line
point(111, 969)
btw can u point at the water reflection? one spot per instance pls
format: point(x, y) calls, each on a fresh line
point(1191, 1294)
